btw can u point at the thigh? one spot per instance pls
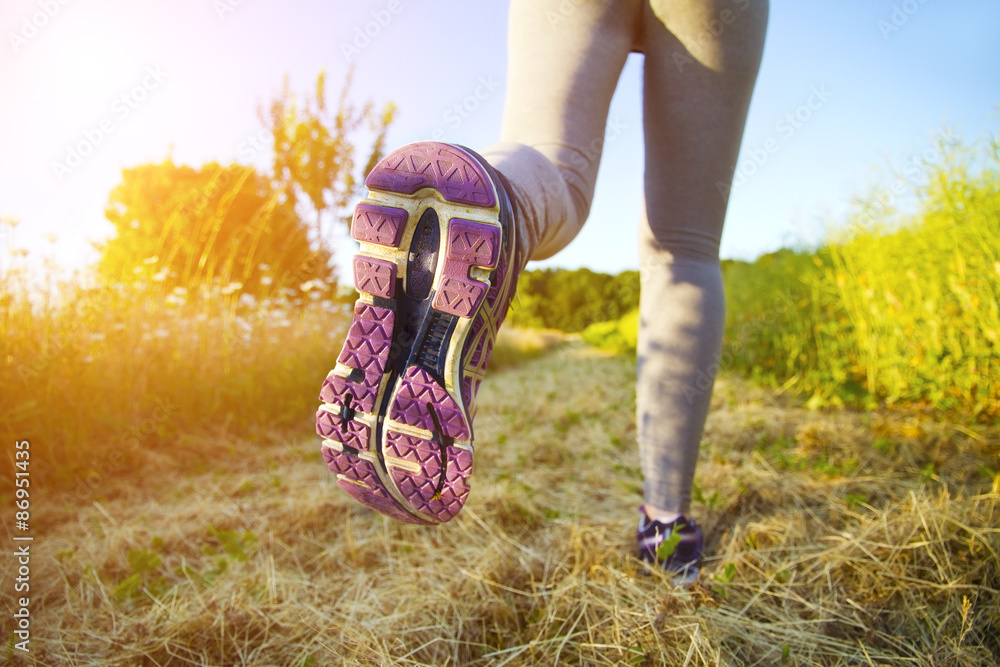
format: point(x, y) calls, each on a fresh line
point(702, 58)
point(565, 57)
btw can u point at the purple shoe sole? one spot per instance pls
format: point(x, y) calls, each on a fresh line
point(396, 419)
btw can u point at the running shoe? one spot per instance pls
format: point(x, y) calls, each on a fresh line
point(675, 546)
point(436, 271)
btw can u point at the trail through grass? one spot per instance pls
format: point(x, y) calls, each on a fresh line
point(832, 538)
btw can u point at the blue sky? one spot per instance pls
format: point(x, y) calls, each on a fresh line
point(152, 79)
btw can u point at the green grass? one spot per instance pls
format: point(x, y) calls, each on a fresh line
point(105, 379)
point(923, 299)
point(895, 310)
point(183, 514)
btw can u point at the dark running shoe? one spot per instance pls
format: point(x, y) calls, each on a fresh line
point(436, 271)
point(674, 546)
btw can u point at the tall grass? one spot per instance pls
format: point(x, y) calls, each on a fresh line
point(118, 380)
point(786, 326)
point(923, 300)
point(104, 378)
point(831, 538)
point(894, 310)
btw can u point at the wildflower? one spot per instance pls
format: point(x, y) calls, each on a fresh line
point(310, 285)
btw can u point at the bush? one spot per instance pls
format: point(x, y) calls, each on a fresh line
point(894, 310)
point(620, 336)
point(572, 300)
point(922, 300)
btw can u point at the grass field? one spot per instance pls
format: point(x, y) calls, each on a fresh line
point(848, 485)
point(834, 538)
point(896, 309)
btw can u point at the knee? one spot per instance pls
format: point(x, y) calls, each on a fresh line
point(677, 246)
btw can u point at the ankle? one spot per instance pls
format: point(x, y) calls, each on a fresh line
point(661, 515)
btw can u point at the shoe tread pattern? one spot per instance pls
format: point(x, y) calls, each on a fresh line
point(421, 488)
point(431, 164)
point(366, 349)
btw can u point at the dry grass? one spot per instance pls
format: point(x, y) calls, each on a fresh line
point(833, 538)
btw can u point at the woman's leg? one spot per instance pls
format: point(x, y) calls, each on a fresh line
point(564, 59)
point(701, 63)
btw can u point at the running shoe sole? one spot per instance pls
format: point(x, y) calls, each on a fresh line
point(396, 417)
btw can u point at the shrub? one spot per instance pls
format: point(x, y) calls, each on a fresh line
point(572, 300)
point(619, 336)
point(897, 310)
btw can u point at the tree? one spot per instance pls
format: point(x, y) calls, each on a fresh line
point(313, 151)
point(185, 226)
